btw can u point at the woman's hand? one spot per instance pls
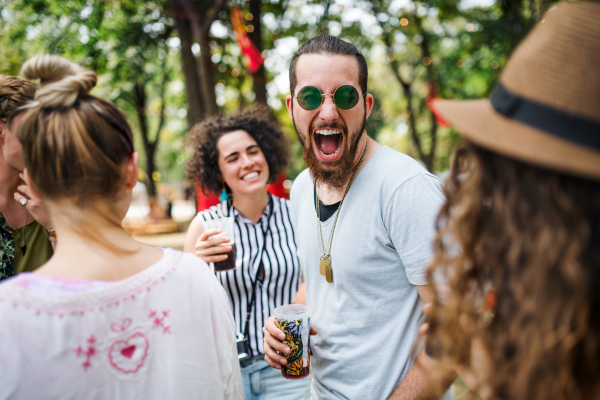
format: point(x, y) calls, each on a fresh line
point(35, 205)
point(211, 249)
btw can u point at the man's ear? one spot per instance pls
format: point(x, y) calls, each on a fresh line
point(289, 105)
point(3, 129)
point(131, 170)
point(369, 104)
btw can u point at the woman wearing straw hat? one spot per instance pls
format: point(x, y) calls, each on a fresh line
point(523, 204)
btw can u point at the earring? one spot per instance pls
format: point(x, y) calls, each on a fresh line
point(223, 196)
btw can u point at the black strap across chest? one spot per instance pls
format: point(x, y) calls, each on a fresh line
point(265, 231)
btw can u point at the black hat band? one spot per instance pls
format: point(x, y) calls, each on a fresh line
point(556, 122)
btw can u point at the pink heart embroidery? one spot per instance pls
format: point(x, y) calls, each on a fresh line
point(128, 355)
point(128, 351)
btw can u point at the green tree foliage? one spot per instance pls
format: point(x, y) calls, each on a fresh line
point(126, 43)
point(170, 63)
point(444, 48)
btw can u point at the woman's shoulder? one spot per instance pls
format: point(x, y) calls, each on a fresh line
point(178, 272)
point(216, 211)
point(191, 265)
point(194, 273)
point(281, 203)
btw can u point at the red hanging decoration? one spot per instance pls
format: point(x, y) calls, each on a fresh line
point(432, 95)
point(254, 59)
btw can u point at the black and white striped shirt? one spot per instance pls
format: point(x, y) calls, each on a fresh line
point(282, 274)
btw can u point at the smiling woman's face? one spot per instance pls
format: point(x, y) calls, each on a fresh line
point(242, 163)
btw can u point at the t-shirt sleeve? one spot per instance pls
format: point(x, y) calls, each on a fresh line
point(295, 194)
point(410, 222)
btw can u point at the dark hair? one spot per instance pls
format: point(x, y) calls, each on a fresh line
point(74, 144)
point(203, 165)
point(532, 234)
point(326, 44)
point(14, 94)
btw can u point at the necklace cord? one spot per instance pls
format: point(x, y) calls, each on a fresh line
point(328, 254)
point(21, 238)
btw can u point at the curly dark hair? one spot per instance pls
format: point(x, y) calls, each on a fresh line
point(532, 235)
point(203, 166)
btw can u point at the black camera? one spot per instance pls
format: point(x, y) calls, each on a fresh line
point(243, 349)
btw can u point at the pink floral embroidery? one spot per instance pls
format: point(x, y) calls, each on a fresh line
point(88, 353)
point(115, 327)
point(128, 355)
point(158, 321)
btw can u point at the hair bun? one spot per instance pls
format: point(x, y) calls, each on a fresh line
point(61, 81)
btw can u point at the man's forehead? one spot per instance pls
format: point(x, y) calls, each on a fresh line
point(326, 71)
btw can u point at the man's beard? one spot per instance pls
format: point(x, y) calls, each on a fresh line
point(339, 171)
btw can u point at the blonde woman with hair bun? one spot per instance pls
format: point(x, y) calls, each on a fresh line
point(106, 316)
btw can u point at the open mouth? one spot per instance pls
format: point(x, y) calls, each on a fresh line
point(329, 142)
point(250, 176)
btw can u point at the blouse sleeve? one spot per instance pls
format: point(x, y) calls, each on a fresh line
point(224, 336)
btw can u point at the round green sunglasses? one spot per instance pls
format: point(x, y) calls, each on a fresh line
point(345, 97)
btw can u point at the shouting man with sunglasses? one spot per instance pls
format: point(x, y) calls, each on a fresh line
point(364, 216)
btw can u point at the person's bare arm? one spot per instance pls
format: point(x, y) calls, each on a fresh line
point(300, 294)
point(194, 231)
point(426, 378)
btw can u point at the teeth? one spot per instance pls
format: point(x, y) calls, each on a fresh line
point(249, 176)
point(327, 132)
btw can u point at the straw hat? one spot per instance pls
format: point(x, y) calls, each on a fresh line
point(546, 108)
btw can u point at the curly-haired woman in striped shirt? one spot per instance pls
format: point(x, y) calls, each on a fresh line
point(238, 154)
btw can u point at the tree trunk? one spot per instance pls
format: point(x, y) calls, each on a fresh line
point(429, 159)
point(206, 73)
point(260, 81)
point(407, 90)
point(188, 62)
point(139, 98)
point(192, 21)
point(149, 149)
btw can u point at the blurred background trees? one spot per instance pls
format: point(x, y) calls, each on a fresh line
point(170, 63)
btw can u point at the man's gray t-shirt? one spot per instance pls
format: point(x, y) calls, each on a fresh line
point(367, 318)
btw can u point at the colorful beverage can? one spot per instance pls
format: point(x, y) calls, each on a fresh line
point(294, 321)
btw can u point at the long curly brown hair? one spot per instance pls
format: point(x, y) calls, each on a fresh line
point(203, 165)
point(532, 237)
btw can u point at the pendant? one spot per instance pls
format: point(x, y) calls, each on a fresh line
point(325, 263)
point(22, 243)
point(328, 273)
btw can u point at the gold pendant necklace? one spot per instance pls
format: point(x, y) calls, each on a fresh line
point(325, 264)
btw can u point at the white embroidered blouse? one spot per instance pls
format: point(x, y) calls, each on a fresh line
point(164, 333)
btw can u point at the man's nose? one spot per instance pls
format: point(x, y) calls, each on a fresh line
point(328, 111)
